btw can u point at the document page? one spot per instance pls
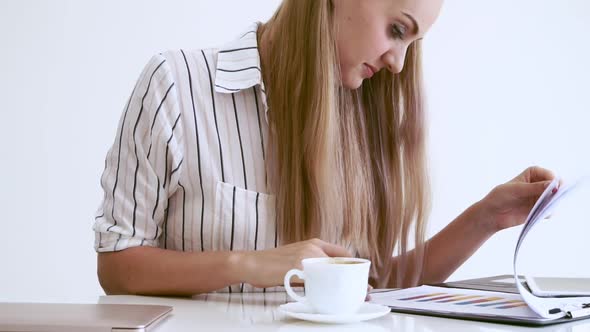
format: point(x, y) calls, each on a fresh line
point(547, 307)
point(457, 301)
point(464, 302)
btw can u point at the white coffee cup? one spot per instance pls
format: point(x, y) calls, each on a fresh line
point(333, 285)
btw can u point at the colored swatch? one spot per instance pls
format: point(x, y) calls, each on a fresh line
point(500, 303)
point(486, 299)
point(463, 300)
point(513, 306)
point(420, 296)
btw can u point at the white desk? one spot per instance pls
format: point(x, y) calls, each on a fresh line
point(258, 312)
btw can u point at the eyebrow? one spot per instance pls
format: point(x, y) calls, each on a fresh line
point(416, 26)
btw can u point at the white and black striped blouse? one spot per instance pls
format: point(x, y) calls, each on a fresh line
point(186, 171)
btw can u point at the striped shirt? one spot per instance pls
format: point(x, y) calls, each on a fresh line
point(186, 171)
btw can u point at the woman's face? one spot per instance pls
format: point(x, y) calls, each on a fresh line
point(375, 34)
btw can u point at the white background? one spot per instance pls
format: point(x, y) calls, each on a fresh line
point(507, 83)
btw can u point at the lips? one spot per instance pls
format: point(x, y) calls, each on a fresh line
point(370, 70)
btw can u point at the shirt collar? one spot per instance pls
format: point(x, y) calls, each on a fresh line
point(238, 63)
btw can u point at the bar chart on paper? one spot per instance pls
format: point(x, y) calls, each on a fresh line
point(466, 300)
point(452, 300)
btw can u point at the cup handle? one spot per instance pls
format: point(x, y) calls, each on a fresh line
point(288, 288)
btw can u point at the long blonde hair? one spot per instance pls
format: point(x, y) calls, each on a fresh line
point(347, 166)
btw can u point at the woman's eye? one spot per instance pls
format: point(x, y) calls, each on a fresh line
point(398, 31)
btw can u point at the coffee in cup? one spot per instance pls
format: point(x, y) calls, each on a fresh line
point(332, 285)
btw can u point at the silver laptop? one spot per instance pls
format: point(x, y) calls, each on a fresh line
point(50, 317)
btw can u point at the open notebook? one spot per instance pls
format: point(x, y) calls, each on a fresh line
point(517, 307)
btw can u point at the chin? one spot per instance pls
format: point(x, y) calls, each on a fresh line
point(352, 82)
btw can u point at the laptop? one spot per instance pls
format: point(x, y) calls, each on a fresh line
point(50, 317)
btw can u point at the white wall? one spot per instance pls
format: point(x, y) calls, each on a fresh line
point(506, 83)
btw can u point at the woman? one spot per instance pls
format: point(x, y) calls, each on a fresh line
point(302, 138)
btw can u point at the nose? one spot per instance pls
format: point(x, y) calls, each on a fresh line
point(394, 60)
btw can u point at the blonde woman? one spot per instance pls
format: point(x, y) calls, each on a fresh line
point(304, 137)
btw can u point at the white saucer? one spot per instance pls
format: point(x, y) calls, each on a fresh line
point(302, 311)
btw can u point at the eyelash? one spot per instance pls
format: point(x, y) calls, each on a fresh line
point(398, 31)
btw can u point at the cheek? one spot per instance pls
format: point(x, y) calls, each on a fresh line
point(346, 57)
point(349, 68)
point(353, 55)
point(375, 46)
point(351, 46)
point(358, 44)
point(369, 49)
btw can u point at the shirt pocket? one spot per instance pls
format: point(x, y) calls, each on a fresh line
point(243, 219)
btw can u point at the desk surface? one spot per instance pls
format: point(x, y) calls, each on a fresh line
point(258, 312)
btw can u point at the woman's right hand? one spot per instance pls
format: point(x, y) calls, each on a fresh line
point(267, 268)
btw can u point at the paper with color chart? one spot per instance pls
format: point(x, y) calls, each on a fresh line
point(459, 302)
point(525, 305)
point(546, 307)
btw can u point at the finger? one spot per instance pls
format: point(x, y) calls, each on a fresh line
point(534, 174)
point(369, 289)
point(333, 250)
point(527, 190)
point(537, 174)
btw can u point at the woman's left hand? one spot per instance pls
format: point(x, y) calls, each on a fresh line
point(509, 204)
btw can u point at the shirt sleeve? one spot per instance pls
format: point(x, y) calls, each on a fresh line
point(142, 167)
